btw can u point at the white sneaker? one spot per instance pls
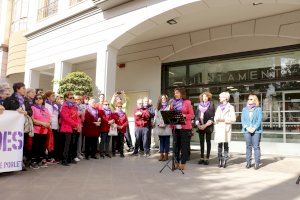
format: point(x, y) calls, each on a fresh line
point(80, 157)
point(77, 159)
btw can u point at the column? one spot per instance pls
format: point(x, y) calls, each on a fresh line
point(32, 78)
point(61, 69)
point(106, 71)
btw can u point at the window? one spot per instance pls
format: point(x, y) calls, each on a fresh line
point(273, 76)
point(19, 15)
point(47, 8)
point(74, 2)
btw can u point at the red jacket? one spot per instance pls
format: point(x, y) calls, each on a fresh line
point(122, 121)
point(141, 120)
point(104, 127)
point(69, 118)
point(187, 110)
point(89, 129)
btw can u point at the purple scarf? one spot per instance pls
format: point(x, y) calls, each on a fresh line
point(54, 106)
point(107, 111)
point(93, 112)
point(223, 106)
point(120, 112)
point(177, 104)
point(30, 101)
point(20, 99)
point(164, 105)
point(70, 104)
point(40, 107)
point(203, 106)
point(251, 106)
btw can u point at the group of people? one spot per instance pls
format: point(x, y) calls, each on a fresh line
point(208, 120)
point(67, 129)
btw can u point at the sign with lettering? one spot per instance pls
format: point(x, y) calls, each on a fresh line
point(11, 141)
point(254, 74)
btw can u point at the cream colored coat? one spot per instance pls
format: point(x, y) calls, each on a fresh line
point(223, 129)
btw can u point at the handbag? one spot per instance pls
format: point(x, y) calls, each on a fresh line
point(28, 126)
point(113, 130)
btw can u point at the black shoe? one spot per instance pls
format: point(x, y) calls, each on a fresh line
point(73, 162)
point(64, 163)
point(113, 154)
point(206, 162)
point(134, 154)
point(107, 155)
point(256, 166)
point(95, 157)
point(225, 164)
point(87, 157)
point(200, 162)
point(220, 163)
point(122, 155)
point(248, 166)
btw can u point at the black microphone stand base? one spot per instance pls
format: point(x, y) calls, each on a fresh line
point(174, 162)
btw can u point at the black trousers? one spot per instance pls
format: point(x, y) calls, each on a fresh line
point(118, 143)
point(128, 138)
point(224, 156)
point(181, 145)
point(205, 136)
point(38, 147)
point(91, 146)
point(70, 146)
point(74, 145)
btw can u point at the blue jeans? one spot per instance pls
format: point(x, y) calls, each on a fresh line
point(252, 141)
point(164, 144)
point(141, 134)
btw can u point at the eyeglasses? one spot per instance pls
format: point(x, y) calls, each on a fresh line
point(71, 97)
point(105, 104)
point(119, 107)
point(250, 99)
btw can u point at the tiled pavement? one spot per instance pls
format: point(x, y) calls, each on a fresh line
point(139, 178)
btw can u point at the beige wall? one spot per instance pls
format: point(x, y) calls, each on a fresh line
point(16, 53)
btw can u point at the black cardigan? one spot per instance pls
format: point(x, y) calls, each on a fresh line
point(208, 115)
point(12, 103)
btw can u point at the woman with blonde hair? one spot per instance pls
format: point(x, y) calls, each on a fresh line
point(204, 122)
point(224, 118)
point(252, 129)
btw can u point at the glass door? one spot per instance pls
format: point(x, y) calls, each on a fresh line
point(291, 116)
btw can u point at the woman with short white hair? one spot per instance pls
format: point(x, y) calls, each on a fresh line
point(224, 118)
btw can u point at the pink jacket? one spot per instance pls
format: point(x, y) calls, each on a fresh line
point(69, 118)
point(43, 116)
point(187, 110)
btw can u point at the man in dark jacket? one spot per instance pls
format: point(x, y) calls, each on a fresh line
point(17, 100)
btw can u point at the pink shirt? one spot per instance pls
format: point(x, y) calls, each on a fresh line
point(42, 115)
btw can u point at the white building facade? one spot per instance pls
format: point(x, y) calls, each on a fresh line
point(147, 47)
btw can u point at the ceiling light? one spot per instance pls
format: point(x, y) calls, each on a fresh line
point(256, 3)
point(230, 87)
point(172, 21)
point(172, 73)
point(234, 89)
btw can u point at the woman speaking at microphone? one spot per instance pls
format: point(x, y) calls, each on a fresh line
point(182, 132)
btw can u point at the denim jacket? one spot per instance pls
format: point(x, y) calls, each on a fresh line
point(255, 122)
